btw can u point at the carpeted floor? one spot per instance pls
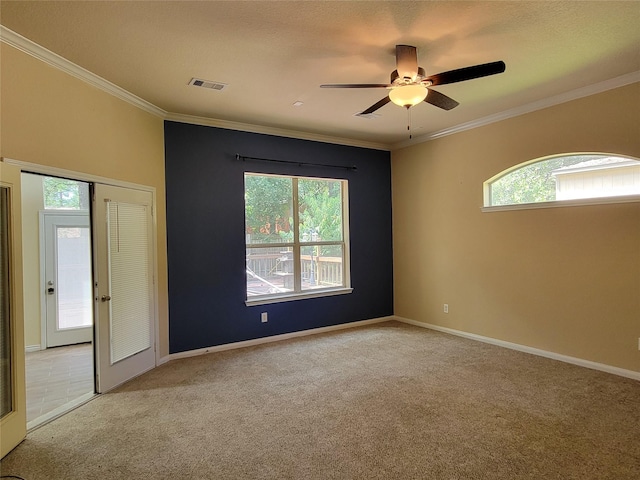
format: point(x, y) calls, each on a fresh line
point(388, 401)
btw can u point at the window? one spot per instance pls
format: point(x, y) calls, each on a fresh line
point(64, 194)
point(296, 236)
point(565, 178)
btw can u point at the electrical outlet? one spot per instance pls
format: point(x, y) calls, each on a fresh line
point(446, 308)
point(264, 317)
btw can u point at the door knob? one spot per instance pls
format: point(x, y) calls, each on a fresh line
point(105, 298)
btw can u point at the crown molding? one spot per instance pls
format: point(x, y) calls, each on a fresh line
point(53, 59)
point(278, 132)
point(610, 84)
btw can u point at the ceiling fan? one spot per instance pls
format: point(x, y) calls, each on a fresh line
point(410, 85)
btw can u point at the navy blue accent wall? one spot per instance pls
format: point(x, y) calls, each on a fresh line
point(206, 241)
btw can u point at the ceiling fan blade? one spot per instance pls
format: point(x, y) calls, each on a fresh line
point(356, 85)
point(407, 61)
point(467, 73)
point(440, 100)
point(376, 106)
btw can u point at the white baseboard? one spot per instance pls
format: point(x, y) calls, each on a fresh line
point(274, 338)
point(523, 348)
point(32, 348)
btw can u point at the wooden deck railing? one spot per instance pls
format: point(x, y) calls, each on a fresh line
point(322, 271)
point(316, 271)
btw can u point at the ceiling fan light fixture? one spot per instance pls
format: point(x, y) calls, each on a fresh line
point(408, 95)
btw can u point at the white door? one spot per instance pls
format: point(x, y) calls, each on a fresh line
point(13, 403)
point(67, 279)
point(124, 291)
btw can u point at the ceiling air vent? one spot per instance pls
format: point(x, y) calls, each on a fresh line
point(197, 82)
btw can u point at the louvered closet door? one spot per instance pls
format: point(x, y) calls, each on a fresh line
point(124, 292)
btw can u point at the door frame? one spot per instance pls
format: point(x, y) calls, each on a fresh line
point(29, 167)
point(43, 296)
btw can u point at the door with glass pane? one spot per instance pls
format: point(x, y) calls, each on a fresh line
point(13, 408)
point(124, 294)
point(67, 280)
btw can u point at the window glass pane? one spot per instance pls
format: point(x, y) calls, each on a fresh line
point(75, 297)
point(269, 271)
point(321, 266)
point(268, 209)
point(320, 210)
point(567, 177)
point(63, 194)
point(6, 394)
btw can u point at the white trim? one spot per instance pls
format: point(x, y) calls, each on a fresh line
point(32, 348)
point(297, 296)
point(29, 167)
point(156, 291)
point(523, 348)
point(594, 89)
point(53, 59)
point(41, 281)
point(564, 203)
point(274, 338)
point(274, 131)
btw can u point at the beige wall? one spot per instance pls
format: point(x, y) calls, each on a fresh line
point(53, 119)
point(32, 203)
point(565, 280)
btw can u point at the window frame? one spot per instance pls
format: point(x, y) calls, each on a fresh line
point(487, 184)
point(296, 246)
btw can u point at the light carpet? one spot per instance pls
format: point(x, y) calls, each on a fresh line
point(386, 401)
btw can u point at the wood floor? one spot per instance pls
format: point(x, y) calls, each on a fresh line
point(56, 379)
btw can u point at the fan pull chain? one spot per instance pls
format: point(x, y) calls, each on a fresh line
point(409, 121)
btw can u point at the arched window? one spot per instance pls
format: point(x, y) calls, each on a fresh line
point(565, 177)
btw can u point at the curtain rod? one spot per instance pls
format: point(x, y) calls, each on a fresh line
point(300, 164)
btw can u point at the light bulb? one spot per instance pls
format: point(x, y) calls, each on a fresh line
point(408, 95)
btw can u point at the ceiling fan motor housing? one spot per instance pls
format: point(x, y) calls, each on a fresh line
point(397, 81)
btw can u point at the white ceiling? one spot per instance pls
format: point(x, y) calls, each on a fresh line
point(272, 54)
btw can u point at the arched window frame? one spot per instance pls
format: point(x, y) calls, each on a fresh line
point(488, 207)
